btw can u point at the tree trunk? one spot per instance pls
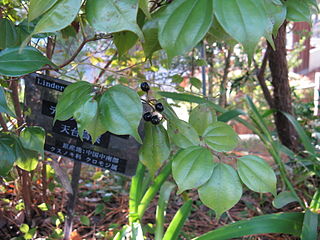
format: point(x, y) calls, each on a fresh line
point(281, 90)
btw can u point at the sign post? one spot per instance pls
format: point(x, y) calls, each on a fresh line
point(112, 152)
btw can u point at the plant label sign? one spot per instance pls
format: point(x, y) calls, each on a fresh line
point(113, 152)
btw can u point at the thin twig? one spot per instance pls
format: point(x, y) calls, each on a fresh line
point(84, 42)
point(105, 68)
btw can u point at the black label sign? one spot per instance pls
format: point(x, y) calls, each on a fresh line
point(112, 152)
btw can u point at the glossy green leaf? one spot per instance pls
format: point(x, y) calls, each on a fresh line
point(85, 114)
point(256, 174)
point(192, 167)
point(25, 159)
point(150, 31)
point(231, 114)
point(121, 111)
point(277, 13)
point(178, 221)
point(310, 226)
point(39, 7)
point(112, 16)
point(201, 117)
point(245, 20)
point(8, 34)
point(58, 17)
point(218, 34)
point(220, 137)
point(182, 134)
point(222, 191)
point(124, 41)
point(33, 138)
point(7, 154)
point(196, 82)
point(155, 148)
point(73, 97)
point(298, 11)
point(283, 198)
point(85, 220)
point(287, 223)
point(315, 203)
point(3, 104)
point(14, 63)
point(24, 228)
point(95, 127)
point(183, 24)
point(305, 140)
point(143, 5)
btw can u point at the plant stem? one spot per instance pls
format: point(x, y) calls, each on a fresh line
point(153, 189)
point(135, 191)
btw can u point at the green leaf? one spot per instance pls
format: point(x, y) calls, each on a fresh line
point(220, 137)
point(14, 63)
point(7, 155)
point(155, 148)
point(183, 24)
point(245, 21)
point(315, 203)
point(298, 11)
point(58, 17)
point(150, 31)
point(182, 134)
point(85, 220)
point(99, 209)
point(196, 82)
point(283, 198)
point(231, 114)
point(43, 207)
point(3, 104)
point(178, 221)
point(124, 41)
point(306, 141)
point(192, 167)
point(287, 223)
point(202, 116)
point(112, 16)
point(218, 34)
point(8, 34)
point(39, 7)
point(24, 228)
point(85, 114)
point(73, 97)
point(256, 174)
point(26, 159)
point(310, 226)
point(95, 128)
point(121, 111)
point(143, 5)
point(277, 13)
point(222, 191)
point(33, 138)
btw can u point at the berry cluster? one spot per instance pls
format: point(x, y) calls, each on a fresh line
point(150, 116)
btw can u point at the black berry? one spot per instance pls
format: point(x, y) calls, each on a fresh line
point(159, 107)
point(155, 120)
point(145, 86)
point(147, 116)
